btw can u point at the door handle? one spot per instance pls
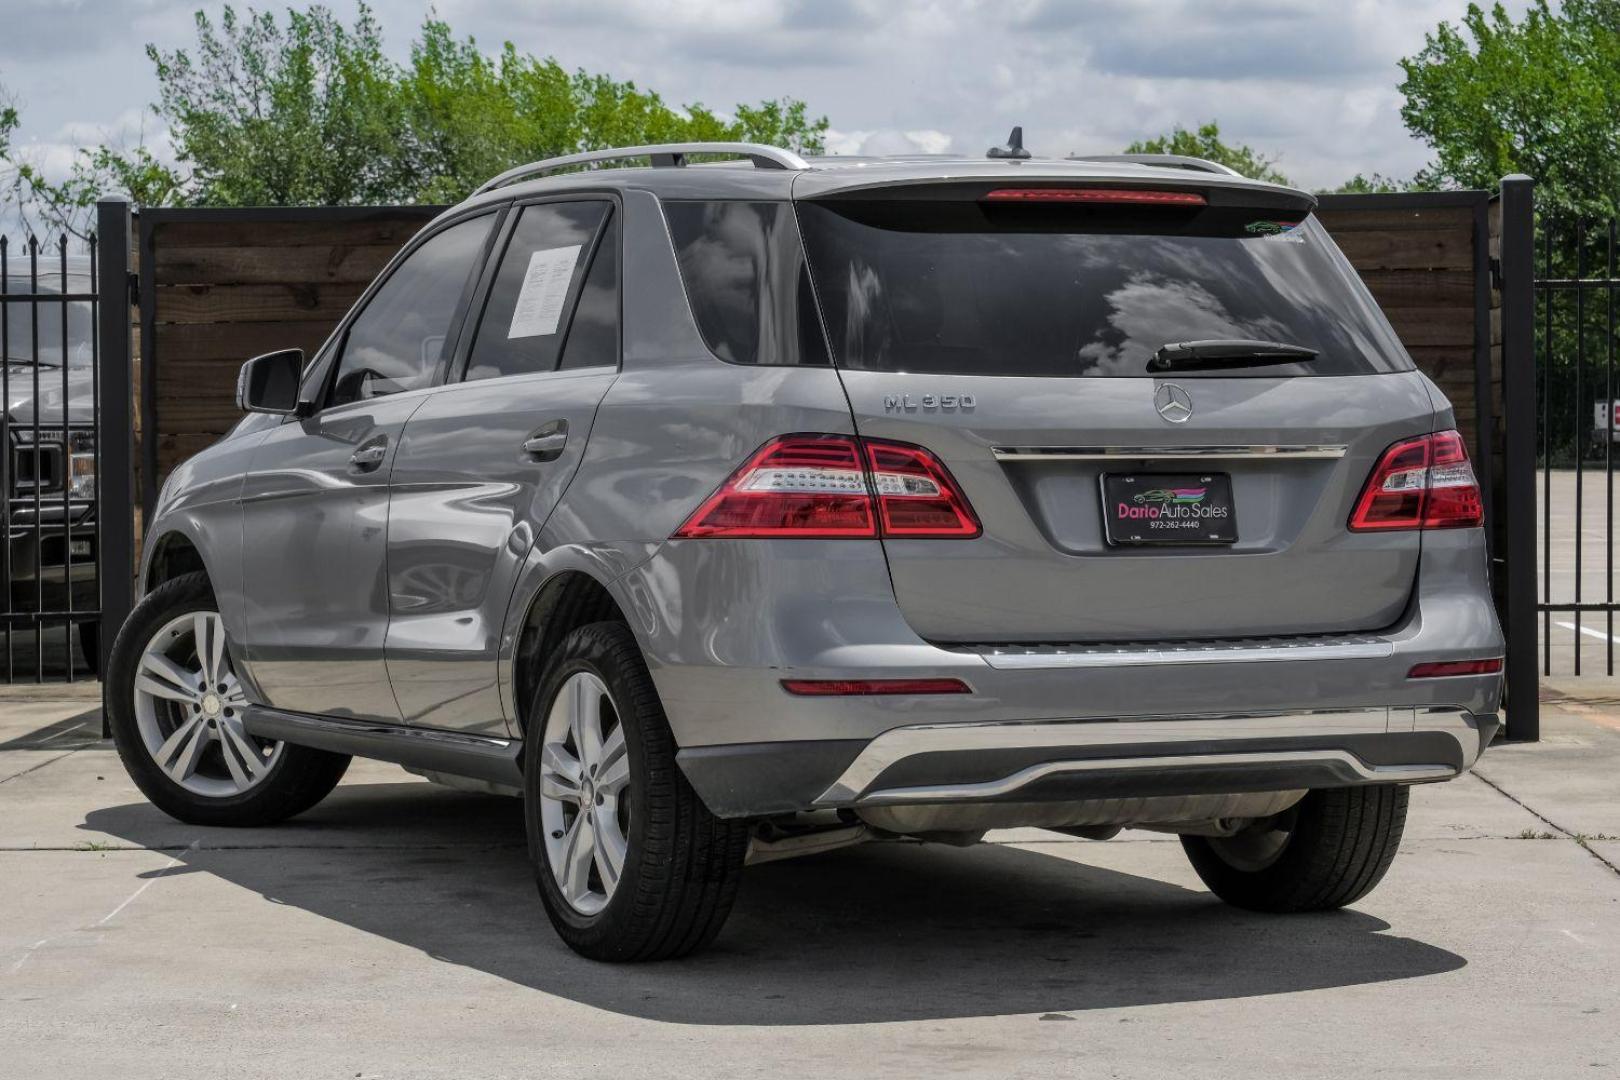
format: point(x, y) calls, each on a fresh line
point(369, 456)
point(547, 443)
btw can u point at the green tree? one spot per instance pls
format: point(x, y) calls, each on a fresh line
point(1539, 96)
point(9, 122)
point(1371, 184)
point(266, 115)
point(468, 116)
point(1206, 143)
point(47, 207)
point(314, 112)
point(310, 111)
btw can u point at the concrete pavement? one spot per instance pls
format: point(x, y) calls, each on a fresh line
point(394, 932)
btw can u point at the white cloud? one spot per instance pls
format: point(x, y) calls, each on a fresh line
point(879, 143)
point(1311, 82)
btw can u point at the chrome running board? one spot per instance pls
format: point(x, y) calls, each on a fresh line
point(457, 753)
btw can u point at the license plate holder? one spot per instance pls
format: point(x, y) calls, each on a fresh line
point(1168, 508)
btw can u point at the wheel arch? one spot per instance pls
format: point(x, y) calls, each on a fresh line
point(565, 601)
point(173, 552)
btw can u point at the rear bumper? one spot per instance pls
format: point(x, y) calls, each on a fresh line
point(721, 624)
point(1078, 761)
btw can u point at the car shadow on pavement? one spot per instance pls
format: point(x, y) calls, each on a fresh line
point(882, 932)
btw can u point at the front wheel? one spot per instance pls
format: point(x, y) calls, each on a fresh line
point(1328, 850)
point(176, 709)
point(630, 863)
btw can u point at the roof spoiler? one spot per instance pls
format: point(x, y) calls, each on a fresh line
point(1167, 161)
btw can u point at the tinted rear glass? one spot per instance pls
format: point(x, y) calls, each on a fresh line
point(745, 276)
point(959, 287)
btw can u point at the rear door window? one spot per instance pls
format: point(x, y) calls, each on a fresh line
point(745, 276)
point(967, 287)
point(561, 256)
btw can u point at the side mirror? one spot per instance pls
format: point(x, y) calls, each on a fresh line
point(269, 384)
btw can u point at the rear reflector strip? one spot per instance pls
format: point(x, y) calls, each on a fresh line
point(1136, 196)
point(1447, 668)
point(865, 687)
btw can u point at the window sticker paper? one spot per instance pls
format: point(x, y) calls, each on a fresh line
point(545, 287)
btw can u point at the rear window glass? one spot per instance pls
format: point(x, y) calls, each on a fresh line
point(745, 276)
point(959, 287)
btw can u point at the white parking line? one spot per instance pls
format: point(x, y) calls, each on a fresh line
point(1600, 635)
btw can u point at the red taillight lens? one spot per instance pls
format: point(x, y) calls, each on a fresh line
point(1097, 195)
point(801, 485)
point(863, 687)
point(819, 486)
point(916, 494)
point(1422, 483)
point(1446, 668)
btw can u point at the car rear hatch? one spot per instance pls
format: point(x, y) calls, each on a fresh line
point(1010, 326)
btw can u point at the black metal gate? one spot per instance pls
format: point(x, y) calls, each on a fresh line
point(48, 475)
point(1577, 349)
point(54, 499)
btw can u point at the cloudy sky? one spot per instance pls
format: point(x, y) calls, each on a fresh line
point(1311, 82)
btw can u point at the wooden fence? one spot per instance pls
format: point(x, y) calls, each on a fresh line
point(1427, 259)
point(219, 286)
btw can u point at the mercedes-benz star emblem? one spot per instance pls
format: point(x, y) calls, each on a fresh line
point(1173, 403)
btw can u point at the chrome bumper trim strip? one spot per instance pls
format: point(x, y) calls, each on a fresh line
point(901, 743)
point(1012, 658)
point(1008, 784)
point(1298, 452)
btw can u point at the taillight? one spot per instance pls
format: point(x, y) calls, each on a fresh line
point(1422, 483)
point(1138, 196)
point(801, 486)
point(916, 494)
point(1445, 669)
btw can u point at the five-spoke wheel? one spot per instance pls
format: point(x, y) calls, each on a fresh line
point(178, 715)
point(584, 793)
point(630, 864)
point(189, 709)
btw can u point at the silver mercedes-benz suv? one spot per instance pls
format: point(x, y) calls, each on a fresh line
point(733, 506)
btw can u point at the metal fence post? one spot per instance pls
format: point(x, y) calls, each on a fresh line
point(115, 428)
point(1519, 488)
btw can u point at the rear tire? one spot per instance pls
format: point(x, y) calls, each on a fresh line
point(178, 730)
point(1327, 851)
point(629, 862)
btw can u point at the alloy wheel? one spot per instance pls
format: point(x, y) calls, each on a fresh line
point(189, 709)
point(584, 793)
point(1258, 846)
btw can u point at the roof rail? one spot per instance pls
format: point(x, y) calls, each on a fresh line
point(1168, 161)
point(663, 155)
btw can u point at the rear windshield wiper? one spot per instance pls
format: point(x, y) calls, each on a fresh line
point(1226, 353)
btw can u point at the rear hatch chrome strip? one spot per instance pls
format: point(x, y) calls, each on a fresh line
point(1300, 451)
